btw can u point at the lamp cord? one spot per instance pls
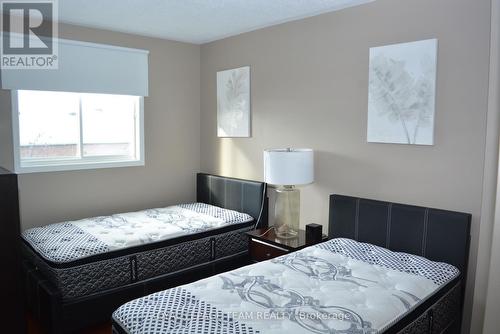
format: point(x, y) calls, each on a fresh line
point(264, 192)
point(269, 229)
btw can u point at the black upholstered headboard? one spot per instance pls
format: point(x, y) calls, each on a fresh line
point(240, 195)
point(438, 235)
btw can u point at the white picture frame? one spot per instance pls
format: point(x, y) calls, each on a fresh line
point(233, 103)
point(402, 93)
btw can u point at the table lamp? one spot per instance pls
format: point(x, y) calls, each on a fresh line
point(288, 168)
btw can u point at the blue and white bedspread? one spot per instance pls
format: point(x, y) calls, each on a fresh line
point(69, 241)
point(340, 286)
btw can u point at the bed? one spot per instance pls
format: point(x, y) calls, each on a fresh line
point(387, 267)
point(78, 272)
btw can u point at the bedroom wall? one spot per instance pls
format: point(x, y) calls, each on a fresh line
point(492, 234)
point(6, 158)
point(172, 138)
point(309, 89)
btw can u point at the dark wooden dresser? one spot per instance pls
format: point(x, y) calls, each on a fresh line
point(11, 297)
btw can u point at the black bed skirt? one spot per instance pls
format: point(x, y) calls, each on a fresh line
point(71, 315)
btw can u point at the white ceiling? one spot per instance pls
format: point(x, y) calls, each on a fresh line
point(194, 21)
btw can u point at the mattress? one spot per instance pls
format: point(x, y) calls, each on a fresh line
point(96, 254)
point(339, 286)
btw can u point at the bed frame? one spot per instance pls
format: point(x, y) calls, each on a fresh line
point(438, 235)
point(63, 316)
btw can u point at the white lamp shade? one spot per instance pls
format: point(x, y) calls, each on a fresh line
point(289, 166)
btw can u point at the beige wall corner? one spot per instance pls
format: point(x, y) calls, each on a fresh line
point(491, 234)
point(310, 89)
point(6, 153)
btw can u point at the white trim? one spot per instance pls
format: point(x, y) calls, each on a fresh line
point(100, 46)
point(68, 164)
point(88, 44)
point(141, 154)
point(79, 166)
point(80, 127)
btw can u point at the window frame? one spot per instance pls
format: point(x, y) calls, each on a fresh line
point(79, 163)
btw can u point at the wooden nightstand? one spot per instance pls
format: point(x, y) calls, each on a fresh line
point(266, 245)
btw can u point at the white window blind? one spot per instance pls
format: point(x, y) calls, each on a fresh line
point(87, 68)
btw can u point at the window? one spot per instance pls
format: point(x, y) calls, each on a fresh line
point(65, 131)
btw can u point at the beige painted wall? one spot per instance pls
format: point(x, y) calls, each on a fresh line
point(6, 157)
point(309, 89)
point(172, 137)
point(491, 319)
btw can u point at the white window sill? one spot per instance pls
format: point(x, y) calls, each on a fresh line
point(32, 168)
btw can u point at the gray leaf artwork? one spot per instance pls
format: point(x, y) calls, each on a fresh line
point(233, 102)
point(402, 93)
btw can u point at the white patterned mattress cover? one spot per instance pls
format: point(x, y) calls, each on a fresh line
point(339, 286)
point(75, 240)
